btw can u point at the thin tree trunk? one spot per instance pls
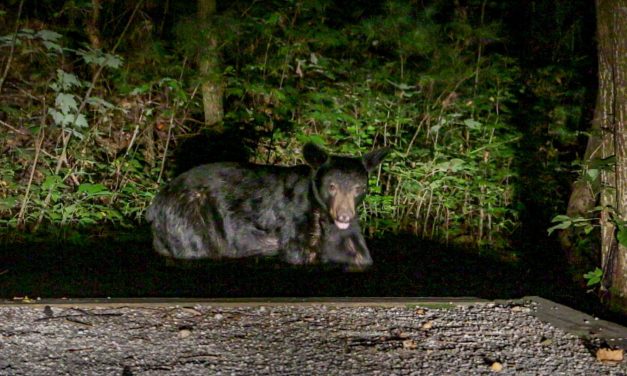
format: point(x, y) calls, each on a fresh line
point(610, 117)
point(212, 87)
point(93, 32)
point(583, 197)
point(607, 140)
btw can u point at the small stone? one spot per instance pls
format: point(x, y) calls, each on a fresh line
point(184, 333)
point(191, 311)
point(546, 342)
point(522, 309)
point(609, 355)
point(496, 367)
point(420, 311)
point(218, 316)
point(410, 344)
point(428, 325)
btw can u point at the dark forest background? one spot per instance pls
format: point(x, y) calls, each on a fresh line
point(486, 105)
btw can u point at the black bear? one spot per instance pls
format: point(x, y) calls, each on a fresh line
point(305, 213)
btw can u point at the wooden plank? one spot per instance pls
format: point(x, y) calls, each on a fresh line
point(241, 302)
point(578, 323)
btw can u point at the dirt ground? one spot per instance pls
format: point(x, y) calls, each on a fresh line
point(314, 336)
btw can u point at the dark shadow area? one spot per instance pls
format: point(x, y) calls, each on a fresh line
point(237, 143)
point(403, 266)
point(207, 147)
point(557, 74)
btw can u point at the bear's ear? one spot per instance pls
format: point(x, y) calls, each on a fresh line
point(314, 155)
point(372, 159)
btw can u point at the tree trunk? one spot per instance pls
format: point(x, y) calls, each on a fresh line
point(93, 30)
point(607, 141)
point(209, 64)
point(609, 119)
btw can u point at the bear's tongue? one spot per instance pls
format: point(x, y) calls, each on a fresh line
point(342, 225)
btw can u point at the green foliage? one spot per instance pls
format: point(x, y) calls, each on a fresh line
point(594, 277)
point(403, 79)
point(621, 235)
point(432, 81)
point(563, 222)
point(99, 58)
point(72, 174)
point(65, 112)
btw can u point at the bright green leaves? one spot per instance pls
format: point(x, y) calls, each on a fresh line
point(562, 222)
point(406, 76)
point(621, 235)
point(587, 224)
point(594, 277)
point(472, 124)
point(7, 203)
point(93, 189)
point(65, 112)
point(48, 38)
point(65, 82)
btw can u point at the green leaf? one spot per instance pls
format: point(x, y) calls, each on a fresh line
point(401, 86)
point(592, 174)
point(93, 189)
point(66, 103)
point(560, 218)
point(314, 138)
point(51, 46)
point(7, 203)
point(453, 165)
point(52, 181)
point(57, 117)
point(97, 57)
point(622, 236)
point(435, 128)
point(65, 81)
point(594, 277)
point(48, 35)
point(603, 164)
point(560, 226)
point(99, 102)
point(81, 121)
point(472, 124)
point(273, 19)
point(456, 164)
point(141, 89)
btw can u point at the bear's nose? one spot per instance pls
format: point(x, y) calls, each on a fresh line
point(344, 218)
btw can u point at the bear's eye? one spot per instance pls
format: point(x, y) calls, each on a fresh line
point(332, 188)
point(359, 189)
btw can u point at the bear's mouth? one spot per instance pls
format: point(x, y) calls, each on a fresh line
point(342, 225)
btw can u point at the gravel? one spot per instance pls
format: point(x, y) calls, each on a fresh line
point(290, 340)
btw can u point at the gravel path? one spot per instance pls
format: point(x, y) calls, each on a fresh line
point(290, 340)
